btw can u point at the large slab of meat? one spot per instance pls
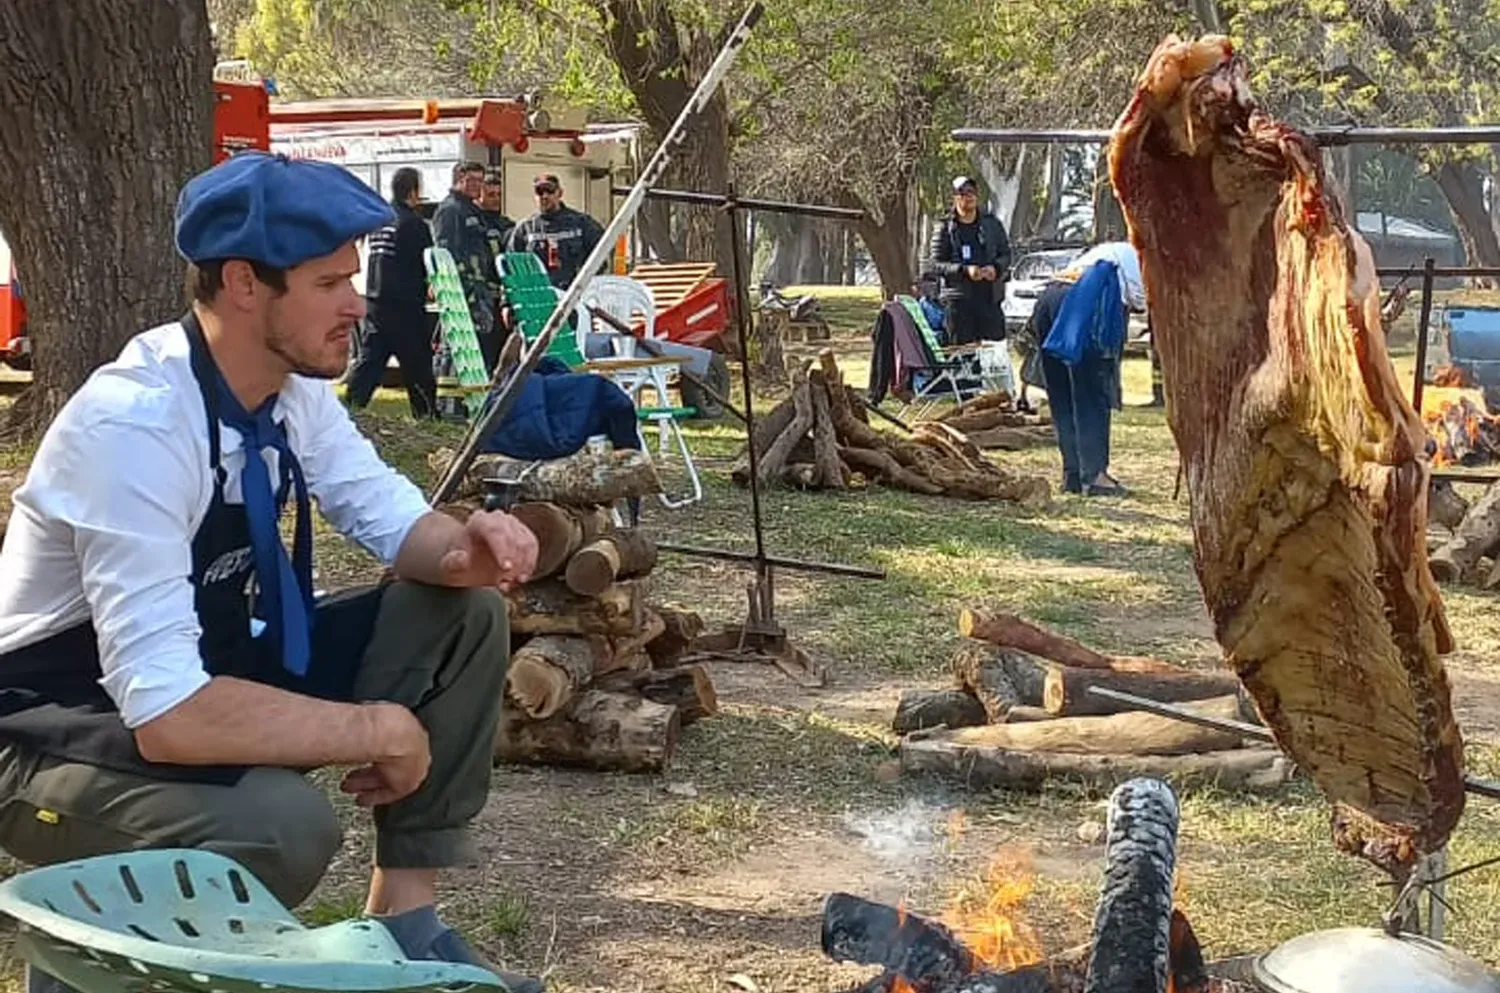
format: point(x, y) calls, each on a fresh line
point(1304, 460)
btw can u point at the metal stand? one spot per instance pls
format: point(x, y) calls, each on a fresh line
point(760, 637)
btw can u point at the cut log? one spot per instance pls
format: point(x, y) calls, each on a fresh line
point(996, 484)
point(688, 688)
point(1134, 734)
point(1066, 693)
point(1026, 715)
point(617, 555)
point(549, 607)
point(1000, 400)
point(768, 427)
point(679, 628)
point(560, 531)
point(920, 709)
point(952, 443)
point(831, 471)
point(1305, 461)
point(882, 467)
point(1014, 439)
point(583, 479)
point(988, 767)
point(603, 731)
point(773, 462)
point(1444, 505)
point(1010, 631)
point(1475, 537)
point(650, 628)
point(548, 670)
point(1000, 678)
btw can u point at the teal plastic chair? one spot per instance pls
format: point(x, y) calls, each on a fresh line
point(196, 922)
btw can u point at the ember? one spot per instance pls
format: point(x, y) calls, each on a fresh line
point(1464, 434)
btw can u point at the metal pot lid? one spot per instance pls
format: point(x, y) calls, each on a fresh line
point(1367, 960)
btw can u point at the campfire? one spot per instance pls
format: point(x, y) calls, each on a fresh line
point(1463, 433)
point(982, 944)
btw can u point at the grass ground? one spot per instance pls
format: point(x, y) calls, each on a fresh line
point(712, 873)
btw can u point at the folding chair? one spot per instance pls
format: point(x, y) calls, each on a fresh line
point(955, 373)
point(460, 343)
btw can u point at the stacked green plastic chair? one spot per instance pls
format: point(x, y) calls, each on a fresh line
point(456, 327)
point(190, 920)
point(529, 292)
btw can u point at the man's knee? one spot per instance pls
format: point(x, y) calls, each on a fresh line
point(281, 827)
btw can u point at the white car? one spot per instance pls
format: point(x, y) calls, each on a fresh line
point(1028, 277)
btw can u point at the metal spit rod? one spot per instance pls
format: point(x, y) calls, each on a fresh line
point(1472, 784)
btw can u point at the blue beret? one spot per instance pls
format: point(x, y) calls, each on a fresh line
point(275, 210)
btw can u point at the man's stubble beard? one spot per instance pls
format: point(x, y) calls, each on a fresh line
point(280, 343)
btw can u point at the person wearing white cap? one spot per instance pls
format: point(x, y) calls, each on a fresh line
point(971, 252)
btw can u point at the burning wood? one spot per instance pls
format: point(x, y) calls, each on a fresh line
point(1463, 434)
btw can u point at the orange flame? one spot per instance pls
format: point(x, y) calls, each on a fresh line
point(987, 915)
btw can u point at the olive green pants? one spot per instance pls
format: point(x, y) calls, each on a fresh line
point(443, 653)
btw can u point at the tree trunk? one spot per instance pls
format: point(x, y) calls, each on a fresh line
point(602, 731)
point(1109, 218)
point(545, 672)
point(1051, 218)
point(1463, 186)
point(106, 110)
point(1066, 693)
point(1119, 734)
point(887, 234)
point(661, 63)
point(981, 767)
point(617, 555)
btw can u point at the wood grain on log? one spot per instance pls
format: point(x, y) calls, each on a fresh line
point(1133, 733)
point(1007, 630)
point(650, 627)
point(774, 461)
point(880, 465)
point(921, 709)
point(583, 479)
point(832, 473)
point(768, 427)
point(688, 688)
point(1305, 461)
point(1001, 678)
point(560, 531)
point(549, 607)
point(603, 731)
point(545, 672)
point(1066, 693)
point(617, 555)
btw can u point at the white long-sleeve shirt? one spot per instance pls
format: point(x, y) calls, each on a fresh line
point(102, 528)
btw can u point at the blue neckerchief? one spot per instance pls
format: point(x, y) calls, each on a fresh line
point(288, 614)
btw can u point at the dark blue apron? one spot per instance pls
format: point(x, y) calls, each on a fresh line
point(50, 698)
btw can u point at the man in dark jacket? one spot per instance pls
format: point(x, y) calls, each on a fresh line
point(497, 226)
point(559, 235)
point(397, 322)
point(971, 252)
point(460, 227)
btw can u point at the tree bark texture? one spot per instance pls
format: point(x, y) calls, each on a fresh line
point(1303, 457)
point(601, 731)
point(1066, 693)
point(106, 110)
point(921, 709)
point(545, 672)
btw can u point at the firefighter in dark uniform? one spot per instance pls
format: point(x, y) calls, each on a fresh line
point(559, 235)
point(459, 226)
point(497, 228)
point(396, 287)
point(167, 674)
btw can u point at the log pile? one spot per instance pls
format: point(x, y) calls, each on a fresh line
point(992, 423)
point(820, 438)
point(1464, 538)
point(596, 677)
point(1020, 712)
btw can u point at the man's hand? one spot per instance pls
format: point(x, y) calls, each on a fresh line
point(973, 272)
point(988, 273)
point(404, 761)
point(493, 549)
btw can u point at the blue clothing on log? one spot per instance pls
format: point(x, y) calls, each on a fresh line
point(1091, 320)
point(558, 411)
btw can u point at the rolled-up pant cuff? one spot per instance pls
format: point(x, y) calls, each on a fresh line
point(443, 848)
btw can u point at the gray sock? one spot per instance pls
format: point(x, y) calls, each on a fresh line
point(415, 930)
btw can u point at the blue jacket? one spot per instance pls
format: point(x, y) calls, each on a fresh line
point(558, 411)
point(1091, 319)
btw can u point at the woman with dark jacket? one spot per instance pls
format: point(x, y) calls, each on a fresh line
point(971, 252)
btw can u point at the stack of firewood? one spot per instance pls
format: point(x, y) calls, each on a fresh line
point(1463, 539)
point(1020, 713)
point(595, 678)
point(820, 438)
point(993, 423)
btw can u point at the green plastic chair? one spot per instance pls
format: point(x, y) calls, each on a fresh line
point(194, 921)
point(532, 298)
